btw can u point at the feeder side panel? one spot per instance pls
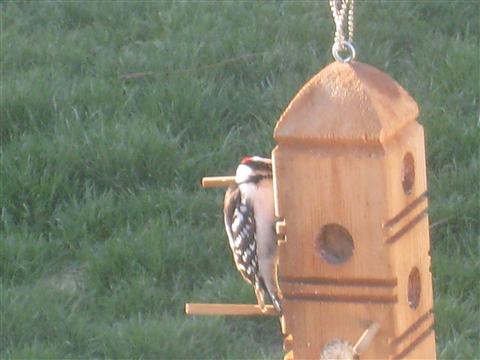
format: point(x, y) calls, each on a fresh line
point(407, 236)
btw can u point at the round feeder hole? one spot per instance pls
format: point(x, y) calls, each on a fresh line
point(414, 288)
point(334, 244)
point(408, 173)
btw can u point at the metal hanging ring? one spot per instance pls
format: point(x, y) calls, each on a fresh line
point(347, 47)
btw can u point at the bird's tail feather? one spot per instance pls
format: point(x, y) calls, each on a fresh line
point(259, 293)
point(274, 298)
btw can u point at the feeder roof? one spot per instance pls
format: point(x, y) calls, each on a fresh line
point(346, 103)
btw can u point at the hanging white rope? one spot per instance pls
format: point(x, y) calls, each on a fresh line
point(343, 49)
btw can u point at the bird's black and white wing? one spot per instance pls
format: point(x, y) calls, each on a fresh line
point(240, 226)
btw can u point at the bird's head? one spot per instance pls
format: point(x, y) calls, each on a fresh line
point(253, 169)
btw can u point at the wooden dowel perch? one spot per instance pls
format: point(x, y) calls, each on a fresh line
point(366, 338)
point(217, 181)
point(229, 309)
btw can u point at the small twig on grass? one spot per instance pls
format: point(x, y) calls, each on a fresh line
point(138, 75)
point(439, 222)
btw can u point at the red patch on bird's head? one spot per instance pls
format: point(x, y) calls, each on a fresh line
point(246, 160)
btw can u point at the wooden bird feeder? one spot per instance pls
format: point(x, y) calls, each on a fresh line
point(350, 194)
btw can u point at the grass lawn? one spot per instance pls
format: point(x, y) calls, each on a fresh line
point(111, 112)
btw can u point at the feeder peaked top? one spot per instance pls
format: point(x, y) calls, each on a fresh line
point(346, 103)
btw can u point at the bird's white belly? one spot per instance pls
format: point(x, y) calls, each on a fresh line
point(261, 196)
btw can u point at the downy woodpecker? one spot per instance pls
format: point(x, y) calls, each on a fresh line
point(250, 224)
